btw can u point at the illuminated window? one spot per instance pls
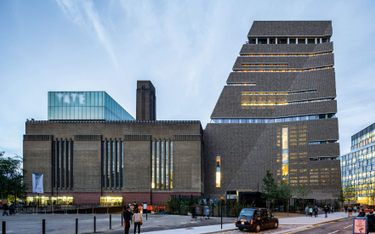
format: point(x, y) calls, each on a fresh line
point(218, 172)
point(285, 153)
point(171, 154)
point(157, 164)
point(153, 164)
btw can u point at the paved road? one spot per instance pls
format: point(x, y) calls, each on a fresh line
point(340, 227)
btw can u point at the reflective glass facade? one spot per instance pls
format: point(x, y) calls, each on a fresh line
point(358, 168)
point(84, 106)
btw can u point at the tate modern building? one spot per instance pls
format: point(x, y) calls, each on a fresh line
point(277, 112)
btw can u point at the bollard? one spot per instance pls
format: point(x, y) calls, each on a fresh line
point(4, 227)
point(94, 224)
point(43, 226)
point(110, 221)
point(76, 225)
point(122, 224)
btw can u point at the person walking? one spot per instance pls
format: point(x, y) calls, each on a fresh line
point(316, 209)
point(355, 209)
point(192, 213)
point(11, 209)
point(5, 208)
point(362, 213)
point(307, 210)
point(371, 221)
point(127, 217)
point(325, 211)
point(138, 221)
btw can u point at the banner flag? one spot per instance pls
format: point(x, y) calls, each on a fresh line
point(37, 183)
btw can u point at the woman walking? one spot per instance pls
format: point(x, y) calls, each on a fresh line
point(137, 220)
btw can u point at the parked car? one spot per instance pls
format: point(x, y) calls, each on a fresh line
point(256, 219)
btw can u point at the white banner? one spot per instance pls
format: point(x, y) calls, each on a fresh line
point(37, 183)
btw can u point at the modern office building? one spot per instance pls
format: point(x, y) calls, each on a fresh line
point(277, 113)
point(91, 150)
point(358, 168)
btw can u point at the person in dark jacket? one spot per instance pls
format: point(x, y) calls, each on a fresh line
point(5, 208)
point(11, 209)
point(361, 213)
point(127, 217)
point(326, 209)
point(371, 222)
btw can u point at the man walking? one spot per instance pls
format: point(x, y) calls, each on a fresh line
point(326, 210)
point(5, 208)
point(127, 217)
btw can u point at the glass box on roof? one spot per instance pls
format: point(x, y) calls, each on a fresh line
point(93, 105)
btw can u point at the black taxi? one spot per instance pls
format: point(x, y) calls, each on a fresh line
point(256, 219)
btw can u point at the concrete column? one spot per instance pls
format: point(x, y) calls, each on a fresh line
point(268, 40)
point(276, 40)
point(287, 40)
point(305, 40)
point(316, 40)
point(296, 40)
point(256, 40)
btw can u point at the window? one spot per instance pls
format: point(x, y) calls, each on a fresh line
point(218, 171)
point(285, 153)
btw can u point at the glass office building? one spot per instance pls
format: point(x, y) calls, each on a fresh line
point(93, 105)
point(358, 168)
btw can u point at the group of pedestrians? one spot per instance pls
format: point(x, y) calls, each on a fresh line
point(313, 211)
point(137, 219)
point(6, 208)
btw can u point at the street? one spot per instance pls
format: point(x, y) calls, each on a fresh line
point(335, 227)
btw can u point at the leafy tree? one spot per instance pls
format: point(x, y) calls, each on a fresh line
point(11, 177)
point(269, 188)
point(302, 191)
point(285, 193)
point(341, 198)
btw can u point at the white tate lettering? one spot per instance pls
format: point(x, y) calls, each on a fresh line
point(74, 96)
point(68, 98)
point(81, 99)
point(59, 95)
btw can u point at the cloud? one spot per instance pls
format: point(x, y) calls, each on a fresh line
point(84, 14)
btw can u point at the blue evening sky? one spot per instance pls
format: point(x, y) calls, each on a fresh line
point(186, 48)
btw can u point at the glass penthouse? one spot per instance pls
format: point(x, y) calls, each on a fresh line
point(96, 105)
point(358, 168)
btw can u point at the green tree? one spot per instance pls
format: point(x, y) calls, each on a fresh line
point(11, 177)
point(285, 193)
point(269, 189)
point(341, 198)
point(302, 191)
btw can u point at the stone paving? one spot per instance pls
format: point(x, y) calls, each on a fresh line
point(156, 223)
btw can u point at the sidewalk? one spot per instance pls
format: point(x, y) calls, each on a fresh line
point(302, 221)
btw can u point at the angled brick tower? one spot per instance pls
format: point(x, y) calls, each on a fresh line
point(277, 112)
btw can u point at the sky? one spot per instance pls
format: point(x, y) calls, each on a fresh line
point(186, 48)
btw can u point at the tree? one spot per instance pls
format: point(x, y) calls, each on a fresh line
point(302, 191)
point(269, 188)
point(11, 177)
point(341, 198)
point(285, 193)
